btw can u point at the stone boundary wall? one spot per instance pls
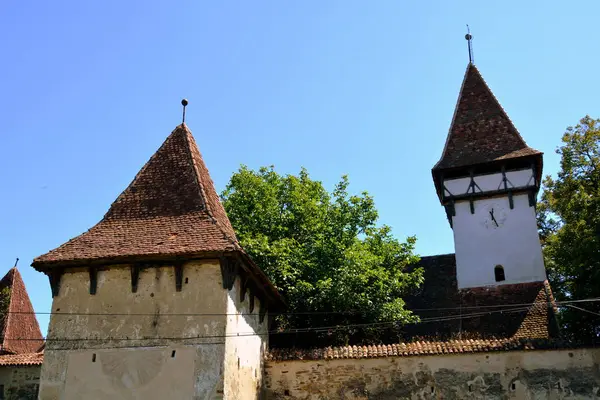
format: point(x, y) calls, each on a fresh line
point(533, 374)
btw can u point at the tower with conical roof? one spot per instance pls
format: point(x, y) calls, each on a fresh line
point(487, 179)
point(158, 299)
point(19, 329)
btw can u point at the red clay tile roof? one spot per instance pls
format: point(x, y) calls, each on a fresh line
point(524, 310)
point(18, 319)
point(496, 326)
point(21, 359)
point(480, 131)
point(505, 312)
point(170, 209)
point(417, 348)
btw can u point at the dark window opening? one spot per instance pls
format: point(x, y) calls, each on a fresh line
point(499, 273)
point(173, 354)
point(94, 357)
point(186, 280)
point(286, 392)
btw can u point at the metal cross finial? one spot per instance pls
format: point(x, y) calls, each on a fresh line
point(184, 103)
point(470, 43)
point(16, 262)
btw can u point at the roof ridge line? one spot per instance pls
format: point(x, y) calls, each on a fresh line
point(203, 195)
point(481, 130)
point(501, 107)
point(462, 85)
point(122, 194)
point(7, 316)
point(196, 174)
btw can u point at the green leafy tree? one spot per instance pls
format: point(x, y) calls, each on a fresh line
point(569, 220)
point(324, 252)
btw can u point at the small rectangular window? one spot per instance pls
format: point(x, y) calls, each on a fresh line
point(499, 273)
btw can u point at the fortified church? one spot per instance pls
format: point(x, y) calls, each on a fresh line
point(159, 299)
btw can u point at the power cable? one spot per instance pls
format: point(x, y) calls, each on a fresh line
point(351, 312)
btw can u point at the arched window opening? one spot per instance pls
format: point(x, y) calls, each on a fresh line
point(499, 273)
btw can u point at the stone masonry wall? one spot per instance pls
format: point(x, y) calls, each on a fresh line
point(20, 382)
point(547, 374)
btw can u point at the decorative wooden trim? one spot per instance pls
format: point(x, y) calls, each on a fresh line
point(251, 302)
point(270, 320)
point(533, 174)
point(475, 196)
point(243, 289)
point(229, 271)
point(93, 279)
point(531, 196)
point(262, 311)
point(510, 195)
point(54, 277)
point(178, 277)
point(473, 184)
point(135, 276)
point(504, 179)
point(471, 189)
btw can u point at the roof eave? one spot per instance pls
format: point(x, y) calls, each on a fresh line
point(165, 259)
point(437, 171)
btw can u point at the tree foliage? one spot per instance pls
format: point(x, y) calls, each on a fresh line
point(324, 252)
point(569, 219)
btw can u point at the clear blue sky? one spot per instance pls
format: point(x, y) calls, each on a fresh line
point(91, 89)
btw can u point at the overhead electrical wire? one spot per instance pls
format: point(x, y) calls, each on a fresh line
point(350, 312)
point(380, 325)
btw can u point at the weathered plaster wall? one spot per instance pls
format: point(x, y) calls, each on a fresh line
point(20, 382)
point(480, 245)
point(115, 366)
point(552, 374)
point(244, 354)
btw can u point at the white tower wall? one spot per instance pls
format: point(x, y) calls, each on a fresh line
point(481, 244)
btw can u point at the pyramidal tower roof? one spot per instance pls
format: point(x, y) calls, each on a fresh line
point(18, 326)
point(481, 131)
point(170, 209)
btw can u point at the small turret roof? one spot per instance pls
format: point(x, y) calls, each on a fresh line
point(481, 131)
point(18, 326)
point(170, 209)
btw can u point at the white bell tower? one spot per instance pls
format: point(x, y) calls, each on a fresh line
point(488, 179)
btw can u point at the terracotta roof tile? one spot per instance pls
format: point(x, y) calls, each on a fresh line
point(21, 359)
point(480, 131)
point(170, 209)
point(473, 316)
point(18, 320)
point(417, 348)
point(523, 310)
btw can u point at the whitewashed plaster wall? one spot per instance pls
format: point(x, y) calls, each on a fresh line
point(245, 353)
point(480, 245)
point(137, 351)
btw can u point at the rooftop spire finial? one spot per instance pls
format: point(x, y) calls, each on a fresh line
point(16, 262)
point(470, 44)
point(184, 103)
